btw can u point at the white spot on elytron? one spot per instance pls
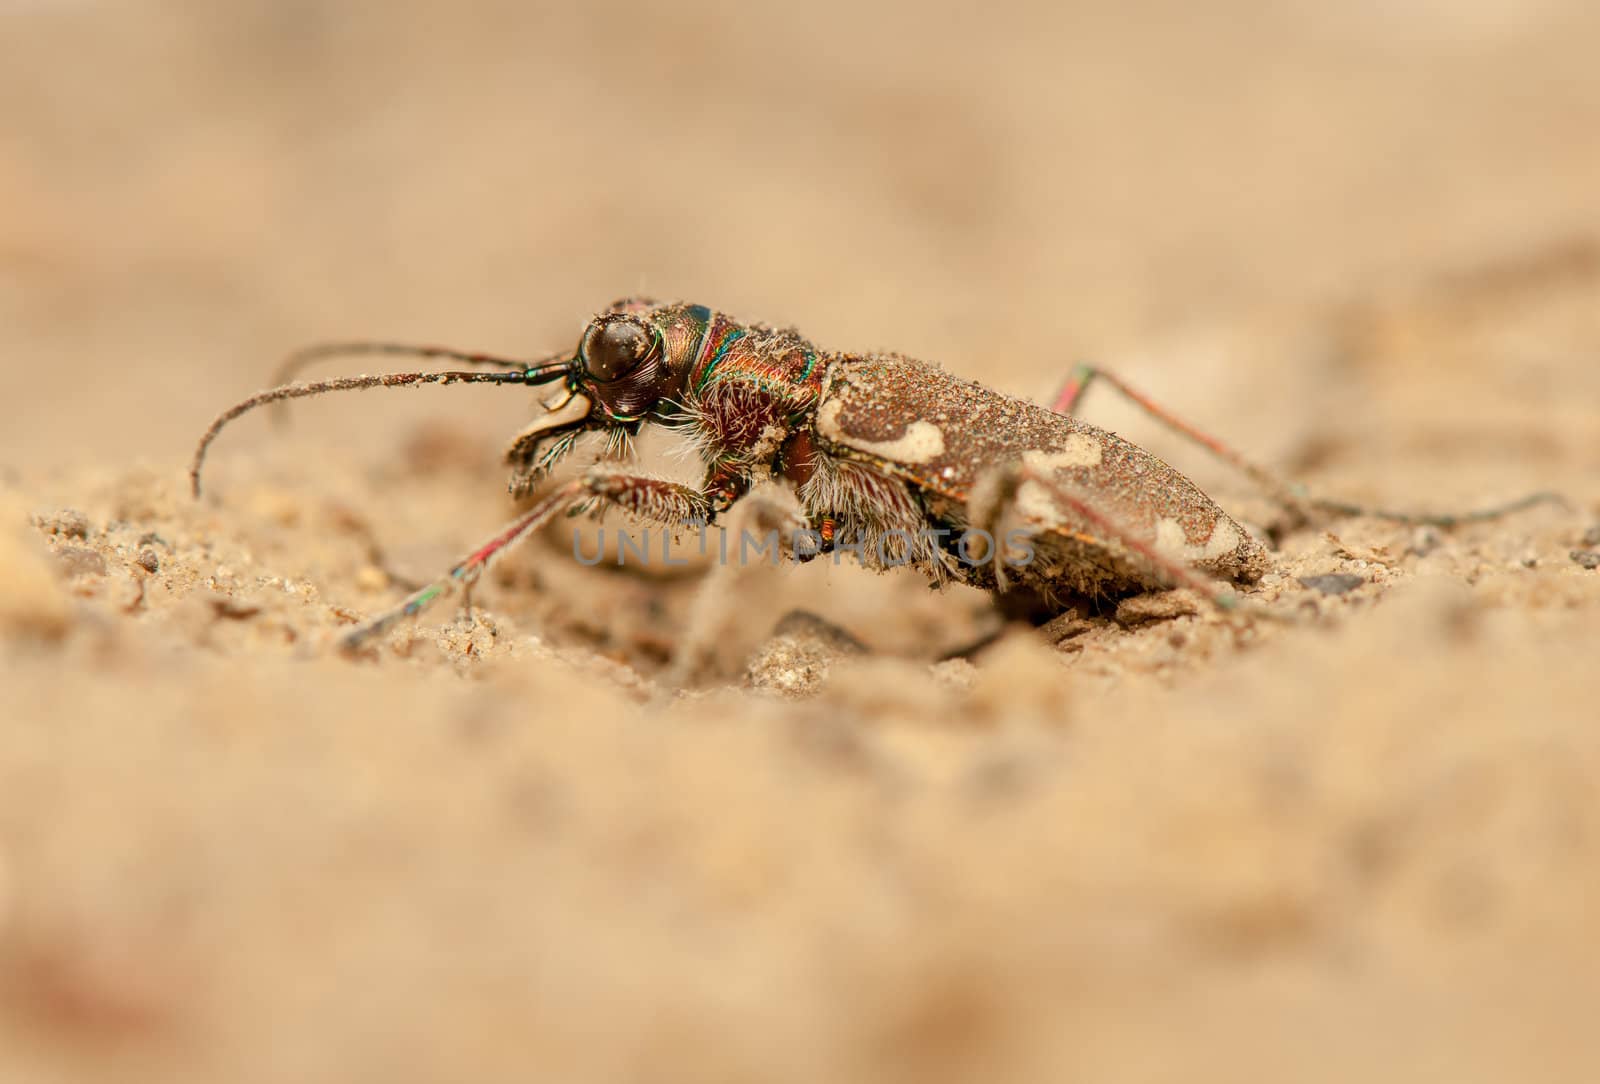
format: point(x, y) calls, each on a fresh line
point(1036, 505)
point(1172, 542)
point(1035, 502)
point(1080, 451)
point(1224, 539)
point(828, 419)
point(1170, 539)
point(923, 441)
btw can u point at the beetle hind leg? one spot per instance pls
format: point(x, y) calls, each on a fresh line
point(1292, 497)
point(1102, 542)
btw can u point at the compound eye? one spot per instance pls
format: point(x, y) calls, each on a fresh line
point(614, 348)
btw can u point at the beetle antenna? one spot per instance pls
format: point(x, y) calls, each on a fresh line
point(295, 362)
point(530, 375)
point(292, 366)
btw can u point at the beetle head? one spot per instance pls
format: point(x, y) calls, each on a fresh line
point(630, 361)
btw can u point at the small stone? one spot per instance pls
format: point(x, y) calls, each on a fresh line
point(80, 561)
point(232, 609)
point(1587, 558)
point(148, 561)
point(1333, 583)
point(797, 659)
point(803, 624)
point(1156, 606)
point(1063, 627)
point(1591, 537)
point(1424, 540)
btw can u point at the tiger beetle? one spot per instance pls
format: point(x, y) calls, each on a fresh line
point(908, 460)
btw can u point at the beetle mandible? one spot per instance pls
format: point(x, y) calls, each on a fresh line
point(895, 458)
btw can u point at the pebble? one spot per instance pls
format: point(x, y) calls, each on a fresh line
point(1333, 583)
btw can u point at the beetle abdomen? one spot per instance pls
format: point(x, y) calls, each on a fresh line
point(942, 434)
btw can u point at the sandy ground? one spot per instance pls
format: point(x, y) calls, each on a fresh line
point(539, 843)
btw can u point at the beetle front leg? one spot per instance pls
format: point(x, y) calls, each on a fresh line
point(654, 499)
point(649, 498)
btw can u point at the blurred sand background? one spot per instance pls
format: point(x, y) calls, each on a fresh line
point(1361, 241)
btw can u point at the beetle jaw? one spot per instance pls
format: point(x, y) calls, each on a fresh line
point(565, 409)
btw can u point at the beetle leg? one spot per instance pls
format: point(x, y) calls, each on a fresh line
point(826, 528)
point(654, 499)
point(724, 484)
point(1003, 494)
point(650, 498)
point(1291, 496)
